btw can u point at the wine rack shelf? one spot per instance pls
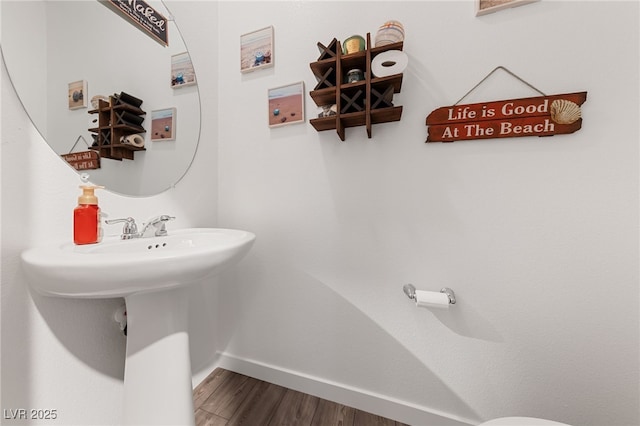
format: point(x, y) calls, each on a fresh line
point(360, 103)
point(116, 119)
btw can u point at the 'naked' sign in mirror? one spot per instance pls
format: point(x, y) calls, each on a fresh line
point(143, 16)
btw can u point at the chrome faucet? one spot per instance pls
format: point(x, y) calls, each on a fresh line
point(155, 227)
point(129, 230)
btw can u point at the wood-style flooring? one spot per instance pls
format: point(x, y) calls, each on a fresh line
point(228, 398)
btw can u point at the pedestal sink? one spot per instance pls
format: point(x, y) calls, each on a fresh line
point(150, 273)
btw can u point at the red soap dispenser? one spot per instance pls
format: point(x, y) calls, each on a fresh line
point(86, 217)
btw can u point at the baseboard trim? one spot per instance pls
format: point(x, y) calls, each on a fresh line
point(381, 405)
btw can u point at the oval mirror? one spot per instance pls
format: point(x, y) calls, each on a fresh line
point(61, 54)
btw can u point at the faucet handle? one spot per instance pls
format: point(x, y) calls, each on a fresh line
point(158, 225)
point(159, 219)
point(161, 229)
point(129, 230)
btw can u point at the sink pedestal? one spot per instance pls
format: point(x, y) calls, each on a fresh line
point(157, 372)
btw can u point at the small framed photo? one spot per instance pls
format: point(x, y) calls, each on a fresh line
point(163, 124)
point(182, 72)
point(77, 94)
point(286, 104)
point(484, 7)
point(256, 50)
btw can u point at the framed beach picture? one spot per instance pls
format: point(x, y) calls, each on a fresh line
point(286, 104)
point(77, 94)
point(182, 72)
point(484, 7)
point(163, 124)
point(256, 50)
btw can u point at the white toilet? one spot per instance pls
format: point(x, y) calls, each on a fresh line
point(521, 421)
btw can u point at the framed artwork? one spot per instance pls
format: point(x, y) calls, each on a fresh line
point(484, 7)
point(77, 94)
point(163, 124)
point(256, 50)
point(286, 104)
point(182, 72)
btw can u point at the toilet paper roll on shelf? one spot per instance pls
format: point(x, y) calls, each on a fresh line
point(430, 299)
point(389, 63)
point(136, 140)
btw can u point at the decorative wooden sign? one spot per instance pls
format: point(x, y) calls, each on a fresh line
point(143, 16)
point(85, 160)
point(538, 116)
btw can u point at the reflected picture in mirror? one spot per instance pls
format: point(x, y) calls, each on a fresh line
point(76, 94)
point(182, 73)
point(43, 66)
point(163, 124)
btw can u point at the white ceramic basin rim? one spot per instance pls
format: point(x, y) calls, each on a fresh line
point(118, 268)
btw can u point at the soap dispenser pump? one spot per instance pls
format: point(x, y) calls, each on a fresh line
point(86, 217)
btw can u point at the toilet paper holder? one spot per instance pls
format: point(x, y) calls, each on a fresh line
point(410, 291)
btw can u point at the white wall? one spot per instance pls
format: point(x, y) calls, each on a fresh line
point(68, 355)
point(537, 236)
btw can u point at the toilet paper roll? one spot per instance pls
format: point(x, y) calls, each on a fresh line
point(432, 299)
point(135, 140)
point(389, 63)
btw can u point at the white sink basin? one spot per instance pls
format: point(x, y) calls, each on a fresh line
point(150, 273)
point(118, 268)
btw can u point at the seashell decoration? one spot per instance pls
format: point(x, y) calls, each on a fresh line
point(565, 112)
point(388, 33)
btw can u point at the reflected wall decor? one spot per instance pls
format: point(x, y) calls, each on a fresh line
point(77, 94)
point(163, 124)
point(182, 72)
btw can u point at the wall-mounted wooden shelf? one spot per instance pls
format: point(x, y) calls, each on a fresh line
point(362, 103)
point(115, 120)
